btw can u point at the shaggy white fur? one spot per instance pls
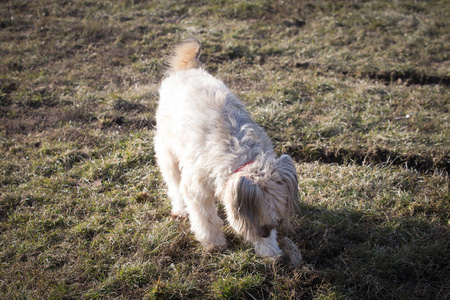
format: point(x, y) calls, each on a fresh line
point(204, 136)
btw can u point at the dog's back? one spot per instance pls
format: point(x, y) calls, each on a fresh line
point(198, 118)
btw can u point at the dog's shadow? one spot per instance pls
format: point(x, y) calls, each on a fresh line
point(379, 252)
point(323, 235)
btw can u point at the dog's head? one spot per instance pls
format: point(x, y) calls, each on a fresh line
point(260, 198)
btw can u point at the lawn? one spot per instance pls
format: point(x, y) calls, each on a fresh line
point(357, 92)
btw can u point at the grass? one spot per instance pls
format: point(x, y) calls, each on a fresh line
point(356, 91)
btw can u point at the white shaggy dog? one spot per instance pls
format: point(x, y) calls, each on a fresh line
point(209, 149)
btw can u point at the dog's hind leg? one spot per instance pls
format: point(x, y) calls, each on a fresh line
point(172, 176)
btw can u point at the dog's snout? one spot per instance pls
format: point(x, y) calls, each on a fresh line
point(265, 231)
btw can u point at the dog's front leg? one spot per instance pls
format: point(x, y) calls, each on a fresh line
point(268, 246)
point(205, 223)
point(202, 211)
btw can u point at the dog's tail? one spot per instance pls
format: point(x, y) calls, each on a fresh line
point(185, 55)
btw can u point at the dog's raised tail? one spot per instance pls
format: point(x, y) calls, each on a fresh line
point(185, 55)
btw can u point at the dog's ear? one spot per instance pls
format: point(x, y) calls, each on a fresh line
point(288, 174)
point(247, 197)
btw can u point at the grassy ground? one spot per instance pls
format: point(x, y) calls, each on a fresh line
point(356, 91)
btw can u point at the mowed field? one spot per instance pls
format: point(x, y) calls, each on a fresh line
point(357, 92)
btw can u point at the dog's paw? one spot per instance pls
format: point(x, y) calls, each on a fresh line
point(268, 249)
point(291, 254)
point(268, 252)
point(178, 215)
point(215, 249)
